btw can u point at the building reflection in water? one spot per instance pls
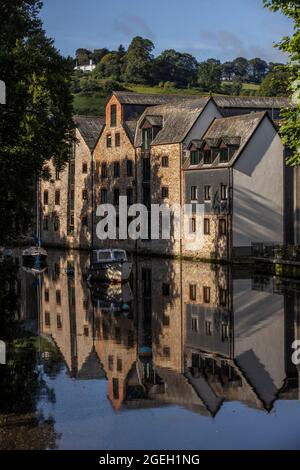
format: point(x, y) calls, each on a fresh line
point(183, 333)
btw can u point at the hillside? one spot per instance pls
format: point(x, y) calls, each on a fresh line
point(93, 102)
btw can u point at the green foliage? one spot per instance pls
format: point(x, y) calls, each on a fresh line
point(209, 75)
point(36, 123)
point(290, 126)
point(109, 67)
point(175, 67)
point(276, 83)
point(138, 61)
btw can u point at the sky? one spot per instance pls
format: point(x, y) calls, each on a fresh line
point(222, 29)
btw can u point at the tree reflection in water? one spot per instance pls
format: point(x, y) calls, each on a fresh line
point(22, 385)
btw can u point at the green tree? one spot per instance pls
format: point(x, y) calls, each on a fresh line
point(209, 75)
point(109, 67)
point(83, 56)
point(228, 70)
point(36, 122)
point(241, 69)
point(138, 61)
point(98, 54)
point(175, 67)
point(290, 125)
point(258, 69)
point(276, 83)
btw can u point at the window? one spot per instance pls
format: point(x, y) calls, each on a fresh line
point(47, 319)
point(46, 295)
point(194, 160)
point(72, 221)
point(85, 221)
point(224, 155)
point(103, 196)
point(194, 193)
point(59, 322)
point(103, 170)
point(116, 389)
point(206, 295)
point(46, 198)
point(166, 351)
point(57, 175)
point(165, 161)
point(207, 193)
point(129, 167)
point(113, 115)
point(116, 169)
point(193, 292)
point(85, 304)
point(225, 332)
point(46, 223)
point(195, 324)
point(108, 141)
point(56, 270)
point(56, 223)
point(223, 297)
point(118, 335)
point(207, 156)
point(222, 226)
point(72, 199)
point(116, 196)
point(119, 365)
point(193, 225)
point(147, 138)
point(223, 192)
point(84, 195)
point(166, 289)
point(84, 168)
point(129, 193)
point(117, 140)
point(57, 197)
point(206, 226)
point(86, 331)
point(166, 320)
point(208, 328)
point(58, 297)
point(164, 192)
point(110, 362)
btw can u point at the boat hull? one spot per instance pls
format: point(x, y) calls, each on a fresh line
point(110, 272)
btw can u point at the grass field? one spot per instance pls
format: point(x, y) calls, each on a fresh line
point(93, 103)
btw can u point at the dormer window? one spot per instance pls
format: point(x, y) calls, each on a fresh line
point(147, 138)
point(195, 157)
point(224, 155)
point(207, 156)
point(113, 115)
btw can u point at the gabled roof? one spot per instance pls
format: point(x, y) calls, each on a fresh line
point(258, 102)
point(177, 120)
point(148, 99)
point(130, 129)
point(91, 368)
point(90, 128)
point(236, 128)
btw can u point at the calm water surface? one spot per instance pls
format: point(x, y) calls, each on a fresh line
point(186, 356)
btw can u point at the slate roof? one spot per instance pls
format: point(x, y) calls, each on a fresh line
point(91, 368)
point(235, 129)
point(130, 128)
point(90, 127)
point(148, 99)
point(177, 120)
point(258, 102)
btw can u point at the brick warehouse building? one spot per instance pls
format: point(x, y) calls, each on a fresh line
point(141, 150)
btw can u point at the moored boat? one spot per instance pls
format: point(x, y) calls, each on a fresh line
point(34, 254)
point(109, 266)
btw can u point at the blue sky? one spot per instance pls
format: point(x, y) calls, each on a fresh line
point(223, 29)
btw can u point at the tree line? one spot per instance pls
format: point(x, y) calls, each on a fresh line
point(171, 68)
